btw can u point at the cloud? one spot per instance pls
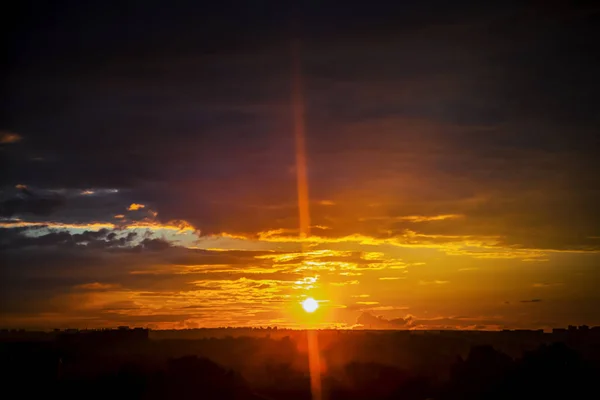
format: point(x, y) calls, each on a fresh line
point(28, 203)
point(153, 278)
point(135, 207)
point(345, 283)
point(174, 226)
point(326, 203)
point(416, 218)
point(482, 322)
point(369, 321)
point(154, 244)
point(545, 285)
point(473, 246)
point(98, 192)
point(17, 238)
point(424, 218)
point(532, 301)
point(88, 275)
point(9, 137)
point(97, 286)
point(435, 158)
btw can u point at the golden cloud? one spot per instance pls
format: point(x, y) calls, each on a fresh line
point(345, 283)
point(460, 245)
point(326, 203)
point(135, 207)
point(426, 218)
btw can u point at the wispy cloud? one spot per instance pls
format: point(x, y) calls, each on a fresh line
point(9, 137)
point(97, 286)
point(345, 283)
point(429, 218)
point(546, 285)
point(326, 203)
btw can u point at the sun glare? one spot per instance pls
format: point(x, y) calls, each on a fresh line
point(310, 305)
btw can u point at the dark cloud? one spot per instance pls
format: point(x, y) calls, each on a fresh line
point(29, 203)
point(17, 238)
point(370, 321)
point(532, 301)
point(427, 96)
point(40, 273)
point(155, 244)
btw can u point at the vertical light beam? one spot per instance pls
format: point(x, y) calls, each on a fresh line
point(299, 133)
point(298, 111)
point(314, 364)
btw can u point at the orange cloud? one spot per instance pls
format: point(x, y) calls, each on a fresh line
point(425, 218)
point(177, 226)
point(56, 225)
point(97, 286)
point(415, 218)
point(135, 207)
point(9, 137)
point(326, 203)
point(465, 245)
point(353, 282)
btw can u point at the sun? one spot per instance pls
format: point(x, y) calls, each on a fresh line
point(310, 305)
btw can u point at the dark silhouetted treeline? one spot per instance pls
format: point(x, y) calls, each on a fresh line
point(270, 365)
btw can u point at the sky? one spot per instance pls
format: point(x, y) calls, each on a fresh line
point(149, 173)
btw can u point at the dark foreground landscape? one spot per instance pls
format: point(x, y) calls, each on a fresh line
point(273, 364)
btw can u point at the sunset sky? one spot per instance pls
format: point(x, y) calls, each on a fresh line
point(149, 177)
